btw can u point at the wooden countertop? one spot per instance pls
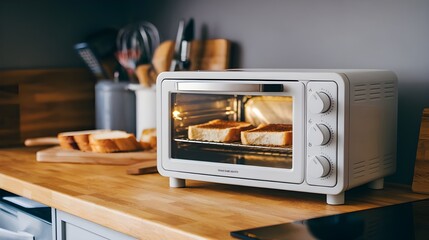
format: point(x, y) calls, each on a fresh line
point(145, 207)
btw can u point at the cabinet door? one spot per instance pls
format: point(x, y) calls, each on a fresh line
point(70, 227)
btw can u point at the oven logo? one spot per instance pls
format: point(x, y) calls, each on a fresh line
point(227, 171)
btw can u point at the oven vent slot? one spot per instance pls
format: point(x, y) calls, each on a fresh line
point(389, 162)
point(389, 90)
point(373, 166)
point(373, 91)
point(360, 93)
point(366, 168)
point(358, 170)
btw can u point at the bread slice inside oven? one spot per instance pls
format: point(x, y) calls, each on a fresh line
point(218, 131)
point(268, 135)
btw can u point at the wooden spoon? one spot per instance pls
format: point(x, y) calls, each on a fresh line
point(147, 73)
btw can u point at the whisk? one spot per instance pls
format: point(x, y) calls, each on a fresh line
point(136, 44)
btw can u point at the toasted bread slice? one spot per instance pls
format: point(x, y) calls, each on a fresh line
point(113, 141)
point(268, 134)
point(148, 139)
point(218, 131)
point(77, 140)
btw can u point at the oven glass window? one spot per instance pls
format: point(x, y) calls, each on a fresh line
point(233, 129)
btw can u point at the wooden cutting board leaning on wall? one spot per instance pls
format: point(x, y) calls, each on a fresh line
point(211, 54)
point(421, 168)
point(43, 102)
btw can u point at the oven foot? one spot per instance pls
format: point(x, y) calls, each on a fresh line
point(335, 199)
point(177, 182)
point(376, 184)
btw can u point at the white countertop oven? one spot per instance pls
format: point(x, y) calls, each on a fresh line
point(343, 128)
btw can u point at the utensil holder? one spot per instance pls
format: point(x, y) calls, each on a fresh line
point(115, 106)
point(145, 107)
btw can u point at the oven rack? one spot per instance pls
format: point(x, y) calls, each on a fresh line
point(239, 146)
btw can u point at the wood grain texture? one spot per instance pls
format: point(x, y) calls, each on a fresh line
point(43, 102)
point(211, 54)
point(145, 207)
point(421, 167)
point(142, 168)
point(59, 155)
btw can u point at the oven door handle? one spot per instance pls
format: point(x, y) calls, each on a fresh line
point(9, 235)
point(228, 87)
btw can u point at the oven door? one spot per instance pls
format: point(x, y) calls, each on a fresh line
point(190, 102)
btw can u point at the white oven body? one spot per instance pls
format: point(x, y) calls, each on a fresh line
point(344, 128)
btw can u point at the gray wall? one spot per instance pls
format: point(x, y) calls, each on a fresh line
point(391, 34)
point(41, 34)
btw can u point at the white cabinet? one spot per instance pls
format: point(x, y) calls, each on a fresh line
point(70, 227)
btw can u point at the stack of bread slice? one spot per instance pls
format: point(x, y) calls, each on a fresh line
point(148, 139)
point(100, 141)
point(77, 140)
point(231, 131)
point(113, 141)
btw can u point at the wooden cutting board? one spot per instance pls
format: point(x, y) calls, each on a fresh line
point(211, 54)
point(421, 167)
point(59, 155)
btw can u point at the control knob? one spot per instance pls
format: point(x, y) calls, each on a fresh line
point(319, 102)
point(319, 134)
point(319, 167)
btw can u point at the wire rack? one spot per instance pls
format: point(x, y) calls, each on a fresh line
point(287, 150)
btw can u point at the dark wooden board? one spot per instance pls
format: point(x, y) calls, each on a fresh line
point(421, 168)
point(43, 102)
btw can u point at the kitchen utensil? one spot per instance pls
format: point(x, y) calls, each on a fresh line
point(41, 141)
point(59, 155)
point(185, 34)
point(421, 169)
point(91, 60)
point(161, 61)
point(176, 56)
point(97, 51)
point(188, 36)
point(163, 56)
point(146, 75)
point(136, 44)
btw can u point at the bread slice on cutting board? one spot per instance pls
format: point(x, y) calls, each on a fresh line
point(269, 135)
point(148, 139)
point(113, 141)
point(77, 140)
point(218, 131)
